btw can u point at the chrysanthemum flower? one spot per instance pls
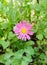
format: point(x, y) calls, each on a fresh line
point(23, 30)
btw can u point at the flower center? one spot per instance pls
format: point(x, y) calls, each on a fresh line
point(23, 30)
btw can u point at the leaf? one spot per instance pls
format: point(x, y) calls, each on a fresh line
point(18, 54)
point(45, 41)
point(43, 57)
point(27, 59)
point(45, 30)
point(4, 25)
point(39, 36)
point(8, 62)
point(45, 35)
point(11, 35)
point(28, 43)
point(24, 63)
point(5, 44)
point(42, 2)
point(8, 55)
point(16, 62)
point(29, 50)
point(2, 58)
point(35, 28)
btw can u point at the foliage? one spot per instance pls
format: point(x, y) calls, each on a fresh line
point(17, 52)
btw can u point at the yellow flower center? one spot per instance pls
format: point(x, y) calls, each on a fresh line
point(23, 30)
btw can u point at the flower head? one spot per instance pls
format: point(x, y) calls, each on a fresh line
point(23, 30)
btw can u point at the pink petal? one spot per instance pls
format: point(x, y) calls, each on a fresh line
point(30, 33)
point(23, 37)
point(28, 26)
point(19, 37)
point(19, 25)
point(28, 37)
point(24, 22)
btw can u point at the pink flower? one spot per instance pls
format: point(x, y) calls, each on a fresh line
point(23, 30)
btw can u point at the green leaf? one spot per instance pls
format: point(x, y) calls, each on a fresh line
point(45, 30)
point(43, 57)
point(45, 41)
point(5, 44)
point(24, 63)
point(35, 28)
point(28, 43)
point(4, 25)
point(29, 50)
point(8, 55)
point(11, 35)
point(2, 58)
point(18, 54)
point(8, 62)
point(16, 62)
point(45, 35)
point(39, 36)
point(27, 59)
